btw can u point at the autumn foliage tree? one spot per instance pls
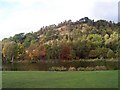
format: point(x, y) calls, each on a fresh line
point(65, 52)
point(42, 51)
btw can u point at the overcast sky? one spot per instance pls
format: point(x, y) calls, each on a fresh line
point(18, 16)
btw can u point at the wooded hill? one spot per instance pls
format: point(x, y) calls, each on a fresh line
point(82, 39)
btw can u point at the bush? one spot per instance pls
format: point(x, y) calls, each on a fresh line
point(100, 68)
point(58, 68)
point(85, 69)
point(89, 69)
point(86, 65)
point(109, 64)
point(80, 69)
point(72, 69)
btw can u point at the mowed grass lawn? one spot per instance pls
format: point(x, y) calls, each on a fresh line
point(49, 79)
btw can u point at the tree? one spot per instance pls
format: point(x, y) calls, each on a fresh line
point(53, 51)
point(106, 37)
point(95, 39)
point(98, 53)
point(19, 38)
point(30, 38)
point(110, 54)
point(20, 51)
point(32, 51)
point(112, 41)
point(65, 51)
point(9, 51)
point(42, 52)
point(93, 54)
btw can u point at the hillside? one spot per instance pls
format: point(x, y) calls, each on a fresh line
point(82, 39)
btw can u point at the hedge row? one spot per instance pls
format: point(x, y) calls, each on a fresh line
point(62, 68)
point(109, 64)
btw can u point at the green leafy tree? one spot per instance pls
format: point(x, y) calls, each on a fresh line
point(19, 38)
point(95, 39)
point(20, 51)
point(112, 41)
point(110, 54)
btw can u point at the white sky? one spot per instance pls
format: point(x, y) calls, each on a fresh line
point(18, 16)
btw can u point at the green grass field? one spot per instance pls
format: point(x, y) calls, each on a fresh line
point(44, 79)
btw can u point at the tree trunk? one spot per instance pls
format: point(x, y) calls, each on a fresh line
point(12, 59)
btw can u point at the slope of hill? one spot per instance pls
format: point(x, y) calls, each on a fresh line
point(83, 39)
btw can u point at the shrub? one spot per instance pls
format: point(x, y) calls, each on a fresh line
point(63, 68)
point(100, 68)
point(72, 69)
point(58, 68)
point(89, 69)
point(80, 69)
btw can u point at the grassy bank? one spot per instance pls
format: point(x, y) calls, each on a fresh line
point(47, 79)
